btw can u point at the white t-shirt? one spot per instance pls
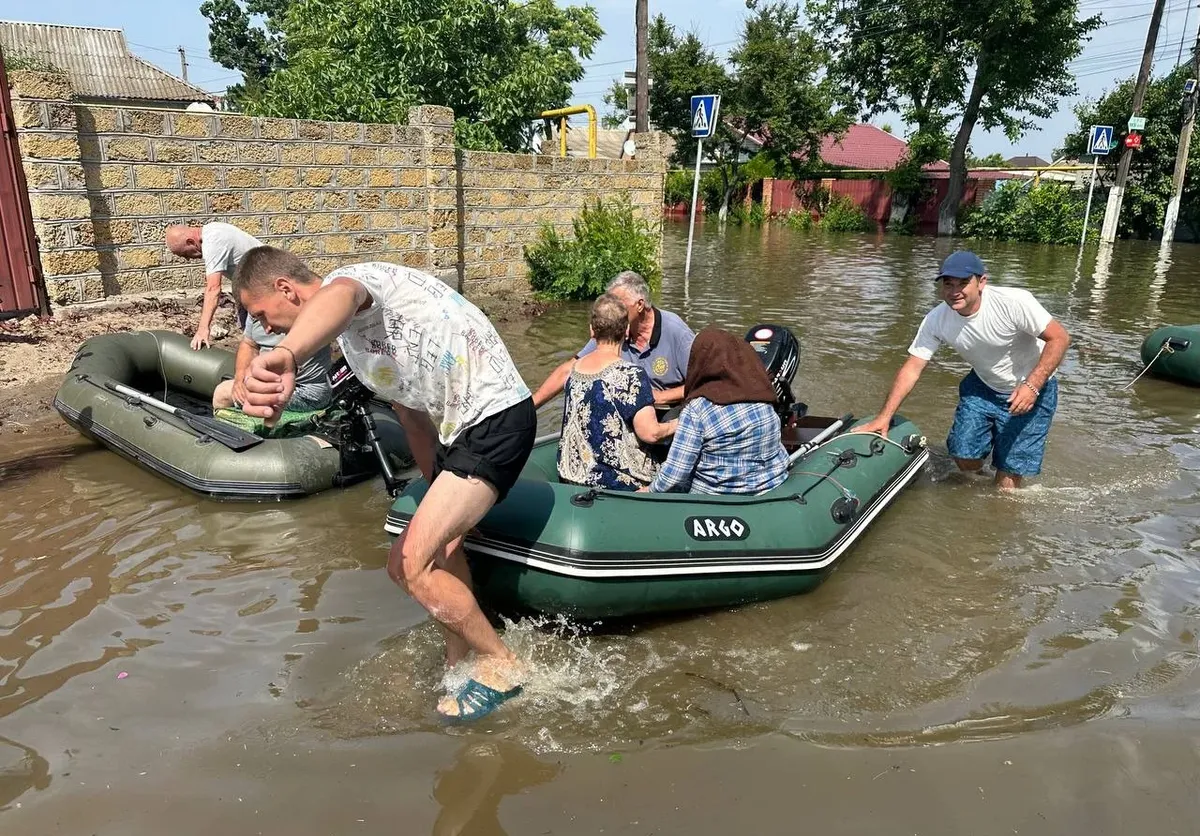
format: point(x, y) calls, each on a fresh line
point(426, 347)
point(223, 246)
point(1000, 340)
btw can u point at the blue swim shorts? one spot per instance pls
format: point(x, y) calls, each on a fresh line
point(982, 425)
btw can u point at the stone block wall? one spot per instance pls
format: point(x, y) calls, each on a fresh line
point(105, 182)
point(508, 197)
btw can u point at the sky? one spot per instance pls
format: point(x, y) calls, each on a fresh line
point(155, 30)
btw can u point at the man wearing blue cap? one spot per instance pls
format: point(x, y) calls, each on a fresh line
point(1014, 345)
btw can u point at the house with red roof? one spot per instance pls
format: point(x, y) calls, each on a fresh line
point(873, 151)
point(864, 147)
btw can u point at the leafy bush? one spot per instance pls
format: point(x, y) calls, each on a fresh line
point(800, 219)
point(844, 215)
point(678, 188)
point(1049, 213)
point(608, 239)
point(712, 190)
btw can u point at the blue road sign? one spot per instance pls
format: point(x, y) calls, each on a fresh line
point(704, 115)
point(1100, 141)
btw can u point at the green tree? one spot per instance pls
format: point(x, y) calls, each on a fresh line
point(919, 56)
point(990, 161)
point(237, 43)
point(890, 56)
point(616, 102)
point(497, 63)
point(774, 98)
point(1149, 184)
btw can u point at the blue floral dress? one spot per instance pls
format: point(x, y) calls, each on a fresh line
point(598, 445)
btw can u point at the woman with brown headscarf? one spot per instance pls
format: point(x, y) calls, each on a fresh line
point(728, 436)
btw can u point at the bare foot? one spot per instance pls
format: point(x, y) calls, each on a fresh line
point(501, 675)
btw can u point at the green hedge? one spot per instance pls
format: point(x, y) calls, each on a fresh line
point(1049, 213)
point(608, 238)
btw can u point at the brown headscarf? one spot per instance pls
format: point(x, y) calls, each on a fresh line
point(725, 370)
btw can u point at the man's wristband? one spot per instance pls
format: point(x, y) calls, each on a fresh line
point(295, 365)
point(1023, 383)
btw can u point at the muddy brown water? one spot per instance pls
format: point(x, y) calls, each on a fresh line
point(979, 663)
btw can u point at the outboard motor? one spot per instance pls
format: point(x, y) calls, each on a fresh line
point(779, 351)
point(361, 435)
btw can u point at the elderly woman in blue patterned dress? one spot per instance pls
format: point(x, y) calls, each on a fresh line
point(608, 414)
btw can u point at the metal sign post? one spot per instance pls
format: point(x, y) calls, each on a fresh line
point(704, 123)
point(1099, 144)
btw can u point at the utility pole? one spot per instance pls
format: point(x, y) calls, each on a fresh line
point(642, 95)
point(1181, 155)
point(183, 63)
point(1112, 212)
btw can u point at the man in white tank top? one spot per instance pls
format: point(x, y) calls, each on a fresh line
point(468, 415)
point(1014, 345)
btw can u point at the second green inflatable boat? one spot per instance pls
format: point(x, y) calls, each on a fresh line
point(1173, 351)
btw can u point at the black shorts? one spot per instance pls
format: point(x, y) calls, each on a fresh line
point(494, 450)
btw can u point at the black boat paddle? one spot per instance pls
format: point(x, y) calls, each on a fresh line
point(227, 434)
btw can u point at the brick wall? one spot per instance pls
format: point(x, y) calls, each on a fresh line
point(106, 181)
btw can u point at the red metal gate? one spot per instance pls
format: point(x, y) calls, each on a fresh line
point(21, 288)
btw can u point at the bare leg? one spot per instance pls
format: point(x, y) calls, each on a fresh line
point(451, 508)
point(1007, 481)
point(223, 395)
point(455, 562)
point(969, 465)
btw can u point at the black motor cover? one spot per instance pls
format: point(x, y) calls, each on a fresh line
point(779, 351)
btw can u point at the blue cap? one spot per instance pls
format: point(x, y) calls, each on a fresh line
point(962, 265)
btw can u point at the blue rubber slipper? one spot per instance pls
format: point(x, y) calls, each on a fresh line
point(477, 700)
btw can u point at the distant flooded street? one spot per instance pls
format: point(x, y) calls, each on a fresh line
point(171, 664)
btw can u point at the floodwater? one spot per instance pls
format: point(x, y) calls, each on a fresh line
point(980, 662)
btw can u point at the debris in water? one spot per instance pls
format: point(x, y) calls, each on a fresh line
point(122, 674)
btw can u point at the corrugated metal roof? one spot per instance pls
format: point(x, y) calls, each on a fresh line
point(96, 61)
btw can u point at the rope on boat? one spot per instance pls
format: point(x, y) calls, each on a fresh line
point(849, 494)
point(1166, 347)
point(882, 438)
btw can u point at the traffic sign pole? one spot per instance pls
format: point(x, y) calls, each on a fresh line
point(687, 264)
point(704, 124)
point(1088, 211)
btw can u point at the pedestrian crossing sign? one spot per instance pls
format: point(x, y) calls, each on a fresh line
point(1100, 140)
point(704, 115)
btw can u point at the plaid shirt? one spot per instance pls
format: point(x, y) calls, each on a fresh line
point(724, 449)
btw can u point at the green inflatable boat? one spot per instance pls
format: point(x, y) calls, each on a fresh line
point(146, 395)
point(560, 549)
point(1173, 351)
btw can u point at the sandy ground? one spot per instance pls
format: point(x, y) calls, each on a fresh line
point(35, 353)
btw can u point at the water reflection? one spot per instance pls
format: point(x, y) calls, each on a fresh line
point(470, 791)
point(21, 769)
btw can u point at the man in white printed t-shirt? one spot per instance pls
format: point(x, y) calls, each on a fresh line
point(1007, 401)
point(222, 246)
point(468, 414)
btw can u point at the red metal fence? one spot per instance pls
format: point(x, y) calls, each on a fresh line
point(873, 196)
